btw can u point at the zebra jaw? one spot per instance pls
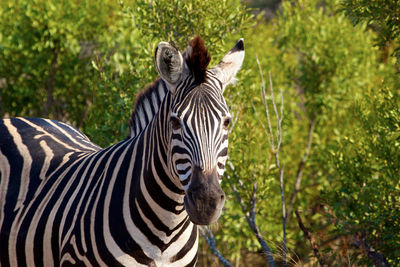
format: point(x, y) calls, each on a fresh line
point(204, 198)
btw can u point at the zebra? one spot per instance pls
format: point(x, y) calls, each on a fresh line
point(66, 201)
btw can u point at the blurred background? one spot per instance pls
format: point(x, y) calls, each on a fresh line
point(336, 64)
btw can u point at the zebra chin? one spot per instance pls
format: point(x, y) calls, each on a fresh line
point(204, 199)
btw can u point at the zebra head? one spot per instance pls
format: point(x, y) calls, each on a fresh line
point(198, 121)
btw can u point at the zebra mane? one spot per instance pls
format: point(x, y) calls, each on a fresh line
point(197, 59)
point(146, 106)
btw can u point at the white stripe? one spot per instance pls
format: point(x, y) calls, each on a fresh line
point(112, 246)
point(48, 157)
point(92, 220)
point(5, 178)
point(179, 244)
point(147, 108)
point(160, 234)
point(68, 135)
point(47, 251)
point(73, 196)
point(172, 195)
point(29, 240)
point(141, 117)
point(154, 100)
point(27, 163)
point(41, 129)
point(82, 222)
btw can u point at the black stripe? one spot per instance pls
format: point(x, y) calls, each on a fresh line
point(223, 153)
point(182, 172)
point(188, 246)
point(163, 176)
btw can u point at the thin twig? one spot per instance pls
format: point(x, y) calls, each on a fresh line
point(275, 149)
point(307, 233)
point(251, 221)
point(234, 121)
point(258, 118)
point(281, 169)
point(278, 118)
point(270, 136)
point(299, 172)
point(376, 257)
point(209, 237)
point(283, 217)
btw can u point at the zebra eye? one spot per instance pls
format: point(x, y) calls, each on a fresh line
point(226, 123)
point(176, 123)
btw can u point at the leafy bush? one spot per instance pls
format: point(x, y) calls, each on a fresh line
point(364, 197)
point(383, 16)
point(153, 22)
point(322, 64)
point(45, 53)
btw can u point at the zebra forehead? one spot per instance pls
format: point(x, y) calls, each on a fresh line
point(203, 98)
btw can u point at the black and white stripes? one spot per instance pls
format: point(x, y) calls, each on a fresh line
point(65, 201)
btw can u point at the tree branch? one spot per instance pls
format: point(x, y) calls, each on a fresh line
point(376, 257)
point(251, 219)
point(307, 233)
point(209, 237)
point(275, 149)
point(299, 172)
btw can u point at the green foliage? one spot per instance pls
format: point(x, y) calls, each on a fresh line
point(322, 64)
point(45, 54)
point(176, 21)
point(382, 15)
point(84, 62)
point(151, 22)
point(365, 194)
point(326, 55)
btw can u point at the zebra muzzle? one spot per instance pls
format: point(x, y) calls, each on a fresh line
point(204, 198)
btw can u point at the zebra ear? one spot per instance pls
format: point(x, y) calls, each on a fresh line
point(169, 63)
point(230, 64)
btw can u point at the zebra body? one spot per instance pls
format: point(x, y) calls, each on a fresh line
point(65, 201)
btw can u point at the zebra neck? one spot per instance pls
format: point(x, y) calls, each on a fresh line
point(162, 193)
point(146, 107)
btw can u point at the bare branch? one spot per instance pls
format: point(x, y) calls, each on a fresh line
point(253, 202)
point(307, 233)
point(258, 118)
point(278, 118)
point(376, 257)
point(299, 172)
point(283, 216)
point(275, 150)
point(271, 136)
point(209, 237)
point(251, 221)
point(250, 215)
point(234, 121)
